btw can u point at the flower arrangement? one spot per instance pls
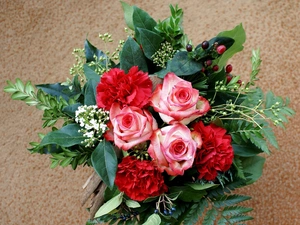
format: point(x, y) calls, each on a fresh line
point(168, 128)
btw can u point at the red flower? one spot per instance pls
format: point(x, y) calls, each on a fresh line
point(216, 152)
point(132, 89)
point(139, 179)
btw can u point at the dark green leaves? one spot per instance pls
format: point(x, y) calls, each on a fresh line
point(104, 161)
point(67, 136)
point(181, 65)
point(150, 41)
point(91, 52)
point(132, 55)
point(90, 92)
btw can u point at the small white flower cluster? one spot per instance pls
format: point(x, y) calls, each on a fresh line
point(93, 122)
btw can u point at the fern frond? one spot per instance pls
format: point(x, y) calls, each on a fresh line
point(195, 211)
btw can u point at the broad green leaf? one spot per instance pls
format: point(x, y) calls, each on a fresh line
point(132, 204)
point(90, 92)
point(246, 150)
point(104, 161)
point(142, 19)
point(181, 65)
point(66, 136)
point(110, 205)
point(90, 74)
point(150, 42)
point(57, 90)
point(132, 55)
point(71, 109)
point(253, 166)
point(110, 193)
point(91, 51)
point(239, 36)
point(154, 219)
point(128, 13)
point(200, 187)
point(188, 194)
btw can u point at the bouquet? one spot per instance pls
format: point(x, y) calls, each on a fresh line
point(170, 131)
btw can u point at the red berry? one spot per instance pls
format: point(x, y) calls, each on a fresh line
point(221, 49)
point(228, 68)
point(228, 78)
point(215, 68)
point(205, 45)
point(203, 70)
point(208, 62)
point(239, 82)
point(189, 47)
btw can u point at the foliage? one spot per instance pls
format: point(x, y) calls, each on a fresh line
point(158, 47)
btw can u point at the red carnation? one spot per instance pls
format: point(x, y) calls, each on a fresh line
point(132, 89)
point(139, 179)
point(216, 152)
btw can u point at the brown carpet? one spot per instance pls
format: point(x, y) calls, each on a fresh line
point(37, 38)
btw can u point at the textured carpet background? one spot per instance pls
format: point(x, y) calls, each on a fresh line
point(37, 38)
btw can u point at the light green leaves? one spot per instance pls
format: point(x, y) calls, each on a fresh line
point(154, 219)
point(110, 205)
point(128, 12)
point(104, 161)
point(239, 36)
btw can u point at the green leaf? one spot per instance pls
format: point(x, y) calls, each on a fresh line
point(229, 200)
point(253, 166)
point(270, 136)
point(91, 51)
point(235, 210)
point(132, 55)
point(66, 136)
point(188, 194)
point(71, 109)
point(104, 161)
point(90, 92)
point(128, 13)
point(239, 36)
point(181, 65)
point(132, 204)
point(154, 219)
point(142, 19)
point(239, 218)
point(238, 166)
point(150, 42)
point(56, 90)
point(110, 205)
point(210, 216)
point(246, 150)
point(195, 212)
point(90, 74)
point(199, 187)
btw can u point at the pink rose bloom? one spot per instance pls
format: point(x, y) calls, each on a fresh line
point(173, 148)
point(177, 101)
point(131, 126)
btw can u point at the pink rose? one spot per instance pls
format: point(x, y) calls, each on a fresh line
point(177, 101)
point(131, 125)
point(173, 148)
